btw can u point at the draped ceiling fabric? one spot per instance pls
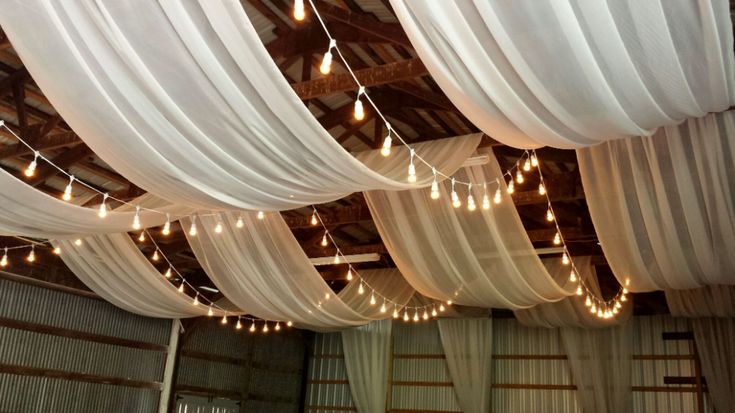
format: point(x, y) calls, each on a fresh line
point(262, 269)
point(467, 345)
point(573, 73)
point(26, 211)
point(112, 266)
point(571, 311)
point(185, 102)
point(664, 206)
point(710, 301)
point(367, 358)
point(481, 258)
point(600, 360)
point(387, 282)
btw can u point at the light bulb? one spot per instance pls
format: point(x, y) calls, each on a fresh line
point(196, 300)
point(31, 169)
point(360, 289)
point(416, 315)
point(239, 222)
point(181, 287)
point(519, 177)
point(623, 298)
point(588, 301)
point(625, 290)
point(277, 327)
point(298, 10)
point(382, 307)
point(395, 313)
point(168, 273)
point(260, 215)
point(67, 190)
point(485, 198)
point(313, 219)
point(541, 189)
point(218, 228)
point(511, 187)
point(252, 327)
point(359, 110)
point(238, 326)
point(618, 305)
point(167, 226)
point(573, 276)
point(193, 228)
point(593, 308)
point(224, 319)
point(615, 310)
point(426, 314)
point(326, 65)
point(136, 218)
point(78, 242)
point(527, 165)
point(349, 274)
point(549, 215)
point(455, 198)
point(557, 239)
point(434, 186)
point(57, 250)
point(433, 312)
point(210, 312)
point(565, 258)
point(405, 315)
point(327, 296)
point(324, 239)
point(471, 202)
point(155, 255)
point(599, 312)
point(265, 327)
point(411, 168)
point(372, 298)
point(579, 290)
point(141, 237)
point(534, 160)
point(103, 207)
point(289, 324)
point(4, 259)
point(385, 150)
point(498, 196)
point(336, 258)
point(32, 255)
point(441, 308)
point(449, 302)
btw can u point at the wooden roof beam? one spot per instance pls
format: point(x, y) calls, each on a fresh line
point(392, 32)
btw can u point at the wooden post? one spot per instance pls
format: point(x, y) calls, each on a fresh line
point(169, 369)
point(698, 377)
point(389, 388)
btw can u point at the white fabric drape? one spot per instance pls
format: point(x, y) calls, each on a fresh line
point(367, 358)
point(26, 211)
point(710, 301)
point(113, 267)
point(388, 283)
point(715, 338)
point(481, 258)
point(185, 102)
point(575, 73)
point(571, 311)
point(664, 207)
point(467, 345)
point(600, 360)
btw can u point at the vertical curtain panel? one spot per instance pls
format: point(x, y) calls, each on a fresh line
point(367, 359)
point(574, 73)
point(467, 344)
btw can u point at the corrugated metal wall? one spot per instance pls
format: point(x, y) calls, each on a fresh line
point(31, 349)
point(417, 358)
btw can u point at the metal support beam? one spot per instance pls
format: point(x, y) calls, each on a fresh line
point(170, 367)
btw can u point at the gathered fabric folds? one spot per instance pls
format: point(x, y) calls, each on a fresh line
point(481, 258)
point(367, 359)
point(468, 345)
point(391, 290)
point(571, 311)
point(112, 266)
point(709, 301)
point(185, 102)
point(664, 206)
point(574, 73)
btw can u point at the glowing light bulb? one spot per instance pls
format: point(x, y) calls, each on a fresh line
point(382, 307)
point(252, 327)
point(498, 196)
point(298, 10)
point(313, 219)
point(573, 276)
point(103, 207)
point(327, 296)
point(359, 110)
point(155, 255)
point(623, 298)
point(434, 185)
point(534, 160)
point(260, 215)
point(265, 327)
point(181, 287)
point(385, 150)
point(218, 228)
point(167, 226)
point(416, 315)
point(485, 198)
point(57, 250)
point(395, 313)
point(31, 169)
point(441, 308)
point(433, 312)
point(349, 274)
point(360, 289)
point(557, 239)
point(193, 227)
point(141, 237)
point(511, 187)
point(326, 65)
point(277, 327)
point(405, 315)
point(411, 168)
point(471, 201)
point(599, 312)
point(625, 290)
point(210, 312)
point(224, 319)
point(196, 300)
point(136, 218)
point(449, 302)
point(615, 310)
point(324, 239)
point(78, 242)
point(289, 324)
point(565, 258)
point(588, 301)
point(527, 165)
point(541, 189)
point(336, 258)
point(455, 198)
point(239, 222)
point(168, 273)
point(618, 305)
point(32, 255)
point(579, 290)
point(238, 325)
point(519, 177)
point(67, 191)
point(372, 298)
point(593, 309)
point(549, 215)
point(4, 259)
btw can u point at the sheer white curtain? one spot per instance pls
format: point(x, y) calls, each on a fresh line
point(367, 358)
point(664, 207)
point(600, 360)
point(185, 101)
point(709, 301)
point(571, 311)
point(391, 289)
point(481, 258)
point(575, 73)
point(468, 346)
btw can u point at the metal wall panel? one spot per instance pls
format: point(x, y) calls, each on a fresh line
point(330, 368)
